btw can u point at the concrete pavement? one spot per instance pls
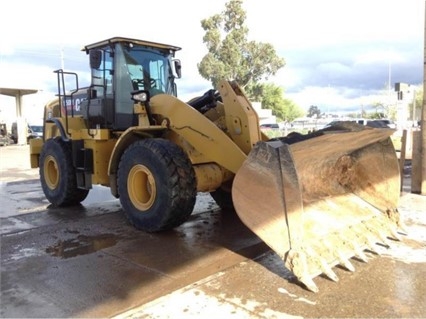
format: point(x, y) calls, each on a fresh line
point(389, 286)
point(89, 262)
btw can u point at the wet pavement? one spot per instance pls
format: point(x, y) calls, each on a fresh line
point(88, 261)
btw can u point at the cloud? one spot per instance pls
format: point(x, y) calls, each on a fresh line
point(18, 75)
point(355, 47)
point(6, 49)
point(339, 54)
point(364, 69)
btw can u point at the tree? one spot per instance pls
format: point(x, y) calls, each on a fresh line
point(271, 97)
point(230, 55)
point(380, 109)
point(375, 116)
point(292, 110)
point(386, 103)
point(314, 111)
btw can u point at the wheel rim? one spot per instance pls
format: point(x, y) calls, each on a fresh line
point(141, 187)
point(51, 172)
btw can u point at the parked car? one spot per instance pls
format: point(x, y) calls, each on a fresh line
point(270, 126)
point(33, 131)
point(388, 123)
point(5, 136)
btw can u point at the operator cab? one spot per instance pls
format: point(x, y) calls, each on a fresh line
point(120, 67)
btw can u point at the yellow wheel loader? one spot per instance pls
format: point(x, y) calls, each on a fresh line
point(317, 200)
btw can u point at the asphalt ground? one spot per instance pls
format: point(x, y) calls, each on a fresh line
point(89, 262)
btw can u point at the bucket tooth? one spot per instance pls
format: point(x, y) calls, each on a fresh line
point(360, 254)
point(318, 262)
point(309, 283)
point(376, 229)
point(369, 240)
point(358, 251)
point(346, 263)
point(395, 223)
point(296, 261)
point(373, 249)
point(371, 244)
point(339, 255)
point(395, 235)
point(383, 239)
point(328, 271)
point(403, 227)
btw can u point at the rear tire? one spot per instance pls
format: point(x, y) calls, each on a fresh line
point(57, 174)
point(156, 184)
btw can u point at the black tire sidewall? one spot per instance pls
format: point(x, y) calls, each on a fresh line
point(66, 193)
point(154, 154)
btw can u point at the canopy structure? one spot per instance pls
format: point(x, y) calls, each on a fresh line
point(18, 93)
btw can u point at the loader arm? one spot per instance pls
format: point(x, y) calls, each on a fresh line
point(242, 121)
point(199, 131)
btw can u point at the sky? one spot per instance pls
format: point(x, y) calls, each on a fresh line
point(341, 55)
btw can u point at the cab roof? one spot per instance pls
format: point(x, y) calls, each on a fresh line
point(129, 40)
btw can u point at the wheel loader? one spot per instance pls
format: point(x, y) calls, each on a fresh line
point(316, 200)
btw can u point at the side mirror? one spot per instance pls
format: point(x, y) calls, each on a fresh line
point(95, 59)
point(178, 68)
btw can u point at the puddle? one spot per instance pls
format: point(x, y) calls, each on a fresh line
point(82, 245)
point(25, 253)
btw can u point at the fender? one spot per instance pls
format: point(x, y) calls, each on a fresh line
point(129, 136)
point(199, 131)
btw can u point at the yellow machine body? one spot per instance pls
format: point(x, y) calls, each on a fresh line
point(316, 201)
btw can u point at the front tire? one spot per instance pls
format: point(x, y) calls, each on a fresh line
point(57, 174)
point(156, 184)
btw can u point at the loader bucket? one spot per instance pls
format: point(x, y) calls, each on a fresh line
point(320, 201)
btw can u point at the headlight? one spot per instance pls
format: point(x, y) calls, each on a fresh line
point(140, 96)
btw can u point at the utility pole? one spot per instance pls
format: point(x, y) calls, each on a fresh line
point(414, 106)
point(423, 120)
